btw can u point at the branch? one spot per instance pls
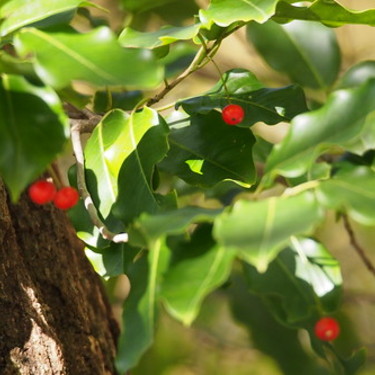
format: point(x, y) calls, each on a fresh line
point(199, 57)
point(78, 126)
point(362, 254)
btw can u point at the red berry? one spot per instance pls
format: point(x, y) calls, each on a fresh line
point(42, 191)
point(327, 329)
point(233, 114)
point(66, 198)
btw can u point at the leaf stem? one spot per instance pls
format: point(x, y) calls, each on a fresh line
point(77, 127)
point(357, 247)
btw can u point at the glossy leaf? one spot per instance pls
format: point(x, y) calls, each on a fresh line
point(258, 231)
point(166, 35)
point(197, 268)
point(105, 151)
point(358, 74)
point(209, 151)
point(351, 190)
point(269, 105)
point(341, 121)
point(19, 13)
point(292, 49)
point(33, 131)
point(144, 5)
point(226, 12)
point(172, 222)
point(95, 57)
point(300, 283)
point(141, 145)
point(330, 13)
point(107, 100)
point(140, 308)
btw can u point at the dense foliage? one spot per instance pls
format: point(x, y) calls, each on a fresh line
point(143, 166)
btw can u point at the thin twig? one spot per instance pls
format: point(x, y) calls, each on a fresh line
point(78, 126)
point(362, 254)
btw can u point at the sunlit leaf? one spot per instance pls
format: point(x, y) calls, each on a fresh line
point(95, 57)
point(141, 145)
point(258, 231)
point(330, 13)
point(166, 35)
point(19, 13)
point(340, 121)
point(226, 12)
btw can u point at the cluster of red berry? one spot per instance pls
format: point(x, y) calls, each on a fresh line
point(42, 192)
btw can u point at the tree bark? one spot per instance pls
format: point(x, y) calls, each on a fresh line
point(54, 316)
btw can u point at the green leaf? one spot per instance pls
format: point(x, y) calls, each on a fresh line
point(33, 131)
point(351, 190)
point(172, 222)
point(107, 100)
point(226, 12)
point(209, 151)
point(258, 231)
point(107, 148)
point(197, 268)
point(142, 144)
point(358, 74)
point(19, 13)
point(140, 310)
point(167, 35)
point(95, 57)
point(144, 5)
point(300, 283)
point(329, 13)
point(341, 121)
point(292, 49)
point(240, 86)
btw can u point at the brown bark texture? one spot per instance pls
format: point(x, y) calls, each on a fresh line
point(54, 316)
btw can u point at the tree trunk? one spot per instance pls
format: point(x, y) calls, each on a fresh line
point(54, 316)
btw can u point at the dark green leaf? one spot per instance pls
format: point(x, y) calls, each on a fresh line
point(107, 100)
point(342, 121)
point(300, 283)
point(239, 86)
point(258, 231)
point(141, 145)
point(33, 131)
point(292, 49)
point(268, 334)
point(95, 57)
point(209, 151)
point(226, 12)
point(140, 308)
